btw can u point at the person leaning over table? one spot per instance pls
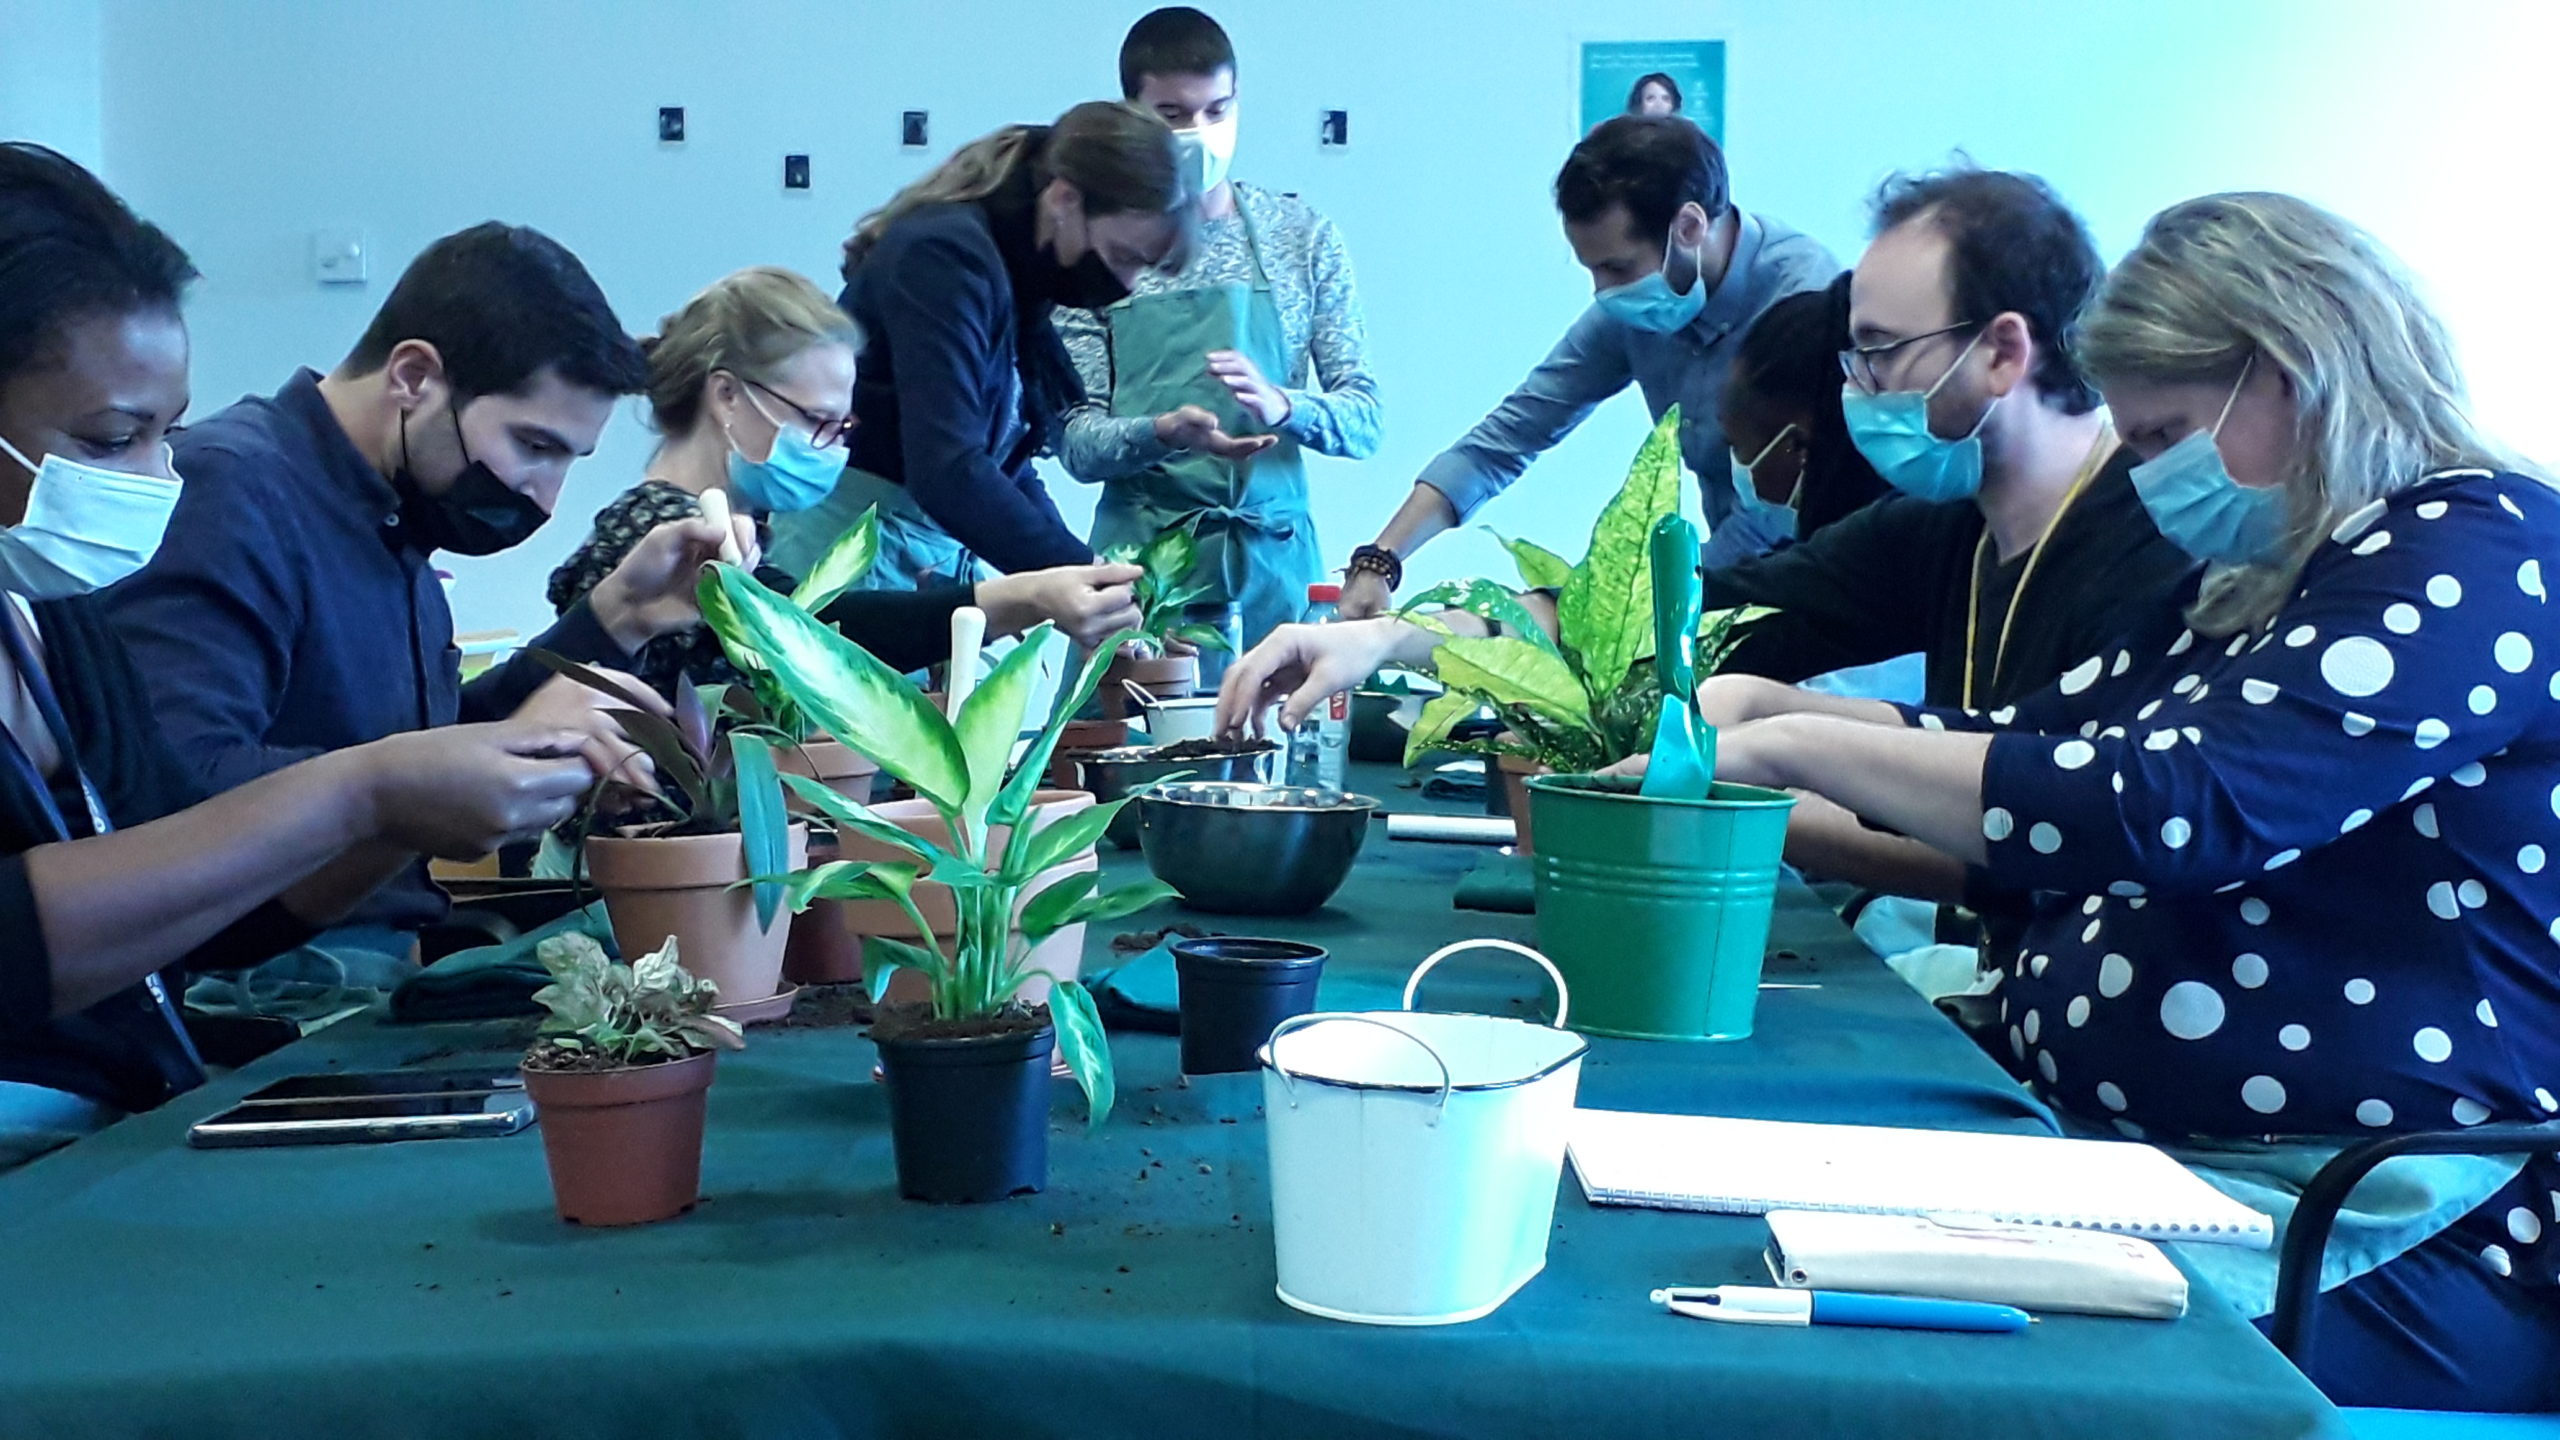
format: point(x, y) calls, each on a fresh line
point(750, 387)
point(116, 869)
point(1677, 270)
point(2293, 858)
point(963, 379)
point(1263, 325)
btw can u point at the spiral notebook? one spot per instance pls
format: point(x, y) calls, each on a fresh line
point(1750, 1167)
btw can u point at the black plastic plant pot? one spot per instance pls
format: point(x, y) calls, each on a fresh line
point(969, 1115)
point(1235, 991)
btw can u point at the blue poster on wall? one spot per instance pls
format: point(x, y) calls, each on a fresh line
point(1654, 77)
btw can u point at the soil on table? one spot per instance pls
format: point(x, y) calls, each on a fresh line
point(553, 1059)
point(1139, 942)
point(828, 1007)
point(915, 1022)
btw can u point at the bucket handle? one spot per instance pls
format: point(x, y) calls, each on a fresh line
point(1413, 982)
point(1288, 1077)
point(1139, 695)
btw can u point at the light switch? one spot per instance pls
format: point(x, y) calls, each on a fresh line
point(337, 257)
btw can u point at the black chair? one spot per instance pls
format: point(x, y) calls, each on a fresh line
point(2306, 1238)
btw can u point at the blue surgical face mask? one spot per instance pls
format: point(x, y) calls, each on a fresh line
point(793, 475)
point(2203, 511)
point(1892, 431)
point(85, 527)
point(1651, 305)
point(1774, 519)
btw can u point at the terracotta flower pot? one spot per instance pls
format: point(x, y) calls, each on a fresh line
point(1515, 788)
point(1167, 677)
point(1082, 735)
point(660, 886)
point(1061, 954)
point(624, 1146)
point(839, 767)
point(822, 949)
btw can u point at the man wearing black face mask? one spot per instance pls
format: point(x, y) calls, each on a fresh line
point(293, 607)
point(962, 379)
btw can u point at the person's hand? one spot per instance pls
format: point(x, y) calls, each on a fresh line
point(1303, 665)
point(1087, 602)
point(1746, 754)
point(1190, 427)
point(1266, 402)
point(458, 792)
point(1365, 595)
point(565, 705)
point(651, 593)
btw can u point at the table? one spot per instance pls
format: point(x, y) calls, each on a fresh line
point(426, 1289)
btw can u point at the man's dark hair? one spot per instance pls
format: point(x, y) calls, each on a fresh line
point(69, 250)
point(1651, 164)
point(501, 303)
point(2012, 245)
point(1176, 40)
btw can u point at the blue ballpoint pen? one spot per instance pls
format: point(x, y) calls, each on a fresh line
point(1759, 1305)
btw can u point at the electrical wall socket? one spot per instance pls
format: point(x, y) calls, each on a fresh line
point(338, 257)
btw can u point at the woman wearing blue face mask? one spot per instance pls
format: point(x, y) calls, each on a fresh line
point(751, 388)
point(2294, 849)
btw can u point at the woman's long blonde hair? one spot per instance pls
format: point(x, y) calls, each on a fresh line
point(1120, 157)
point(2379, 401)
point(750, 324)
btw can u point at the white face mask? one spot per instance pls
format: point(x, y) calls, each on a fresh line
point(85, 528)
point(1208, 151)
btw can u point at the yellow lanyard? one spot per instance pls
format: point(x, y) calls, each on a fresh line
point(2099, 453)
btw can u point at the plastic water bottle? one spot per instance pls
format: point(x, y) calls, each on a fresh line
point(1322, 745)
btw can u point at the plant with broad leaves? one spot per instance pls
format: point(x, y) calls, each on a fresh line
point(710, 781)
point(761, 702)
point(1582, 699)
point(650, 1010)
point(1164, 590)
point(965, 769)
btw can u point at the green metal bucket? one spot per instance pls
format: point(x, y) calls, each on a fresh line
point(1657, 911)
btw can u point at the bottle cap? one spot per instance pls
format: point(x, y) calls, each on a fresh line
point(1324, 594)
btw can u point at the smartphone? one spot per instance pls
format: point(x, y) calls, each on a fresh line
point(366, 1119)
point(353, 1083)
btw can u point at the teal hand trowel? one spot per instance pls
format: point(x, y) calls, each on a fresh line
point(1683, 765)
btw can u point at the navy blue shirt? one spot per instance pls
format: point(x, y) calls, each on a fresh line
point(287, 614)
point(962, 379)
point(2300, 881)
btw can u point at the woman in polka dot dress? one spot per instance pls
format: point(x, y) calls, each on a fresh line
point(2298, 856)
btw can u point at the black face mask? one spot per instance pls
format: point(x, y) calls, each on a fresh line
point(1088, 284)
point(476, 515)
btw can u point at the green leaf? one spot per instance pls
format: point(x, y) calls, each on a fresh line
point(1058, 842)
point(764, 825)
point(848, 880)
point(856, 698)
point(1443, 714)
point(1719, 631)
point(862, 821)
point(1515, 672)
point(1087, 1050)
point(664, 744)
point(1206, 637)
point(1540, 567)
point(1015, 799)
point(843, 566)
point(1053, 908)
point(1488, 602)
point(1169, 558)
point(721, 619)
point(883, 957)
point(1606, 608)
point(991, 719)
point(1110, 904)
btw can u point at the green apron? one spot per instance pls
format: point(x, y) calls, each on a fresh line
point(915, 553)
point(1258, 545)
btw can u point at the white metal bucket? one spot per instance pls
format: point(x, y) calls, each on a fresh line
point(1415, 1156)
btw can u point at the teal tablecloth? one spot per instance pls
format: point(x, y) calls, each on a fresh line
point(426, 1289)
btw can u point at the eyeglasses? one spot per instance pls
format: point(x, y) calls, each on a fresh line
point(824, 430)
point(1858, 362)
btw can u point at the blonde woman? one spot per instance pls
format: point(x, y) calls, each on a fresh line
point(2295, 852)
point(963, 380)
point(751, 388)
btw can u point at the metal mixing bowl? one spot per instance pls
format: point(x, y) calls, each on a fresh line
point(1117, 773)
point(1243, 849)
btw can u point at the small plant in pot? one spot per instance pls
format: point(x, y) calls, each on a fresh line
point(678, 867)
point(618, 1075)
point(968, 1069)
point(1163, 592)
point(1647, 905)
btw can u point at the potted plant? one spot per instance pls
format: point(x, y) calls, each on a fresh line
point(968, 1067)
point(1652, 908)
point(618, 1075)
point(717, 820)
point(1162, 593)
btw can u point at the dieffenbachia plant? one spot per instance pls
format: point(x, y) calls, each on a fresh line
point(761, 701)
point(1163, 589)
point(960, 767)
point(1581, 699)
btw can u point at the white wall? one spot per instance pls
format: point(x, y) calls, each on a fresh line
point(243, 125)
point(49, 75)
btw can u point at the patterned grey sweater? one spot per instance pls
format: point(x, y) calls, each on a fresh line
point(1333, 399)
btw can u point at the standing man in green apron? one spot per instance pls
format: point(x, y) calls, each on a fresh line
point(1259, 335)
